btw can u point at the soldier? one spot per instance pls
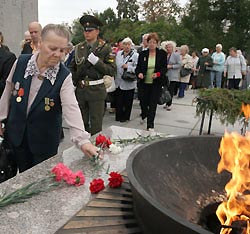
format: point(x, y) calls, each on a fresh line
point(93, 59)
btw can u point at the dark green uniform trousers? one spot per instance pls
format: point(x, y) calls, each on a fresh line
point(92, 112)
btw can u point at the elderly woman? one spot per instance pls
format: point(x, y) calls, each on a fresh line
point(173, 70)
point(151, 70)
point(218, 66)
point(204, 66)
point(38, 90)
point(234, 68)
point(187, 63)
point(126, 61)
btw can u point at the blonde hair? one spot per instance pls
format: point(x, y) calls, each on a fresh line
point(172, 43)
point(127, 40)
point(185, 47)
point(219, 46)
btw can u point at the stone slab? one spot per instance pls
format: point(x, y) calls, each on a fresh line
point(47, 212)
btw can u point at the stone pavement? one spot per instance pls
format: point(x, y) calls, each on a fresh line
point(180, 121)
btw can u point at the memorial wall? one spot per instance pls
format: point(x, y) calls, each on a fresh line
point(15, 15)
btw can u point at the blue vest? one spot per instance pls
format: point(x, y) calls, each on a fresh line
point(40, 128)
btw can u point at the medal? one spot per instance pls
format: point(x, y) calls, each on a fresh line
point(20, 93)
point(47, 108)
point(46, 101)
point(17, 85)
point(18, 99)
point(51, 103)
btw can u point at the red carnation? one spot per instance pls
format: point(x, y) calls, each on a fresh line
point(158, 74)
point(102, 141)
point(96, 185)
point(115, 180)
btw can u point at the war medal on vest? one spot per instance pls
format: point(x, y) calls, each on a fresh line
point(47, 106)
point(20, 94)
point(15, 88)
point(49, 102)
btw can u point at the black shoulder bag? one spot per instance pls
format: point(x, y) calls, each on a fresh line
point(128, 76)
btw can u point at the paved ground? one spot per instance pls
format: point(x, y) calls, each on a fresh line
point(181, 120)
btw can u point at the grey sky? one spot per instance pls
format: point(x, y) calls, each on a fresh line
point(58, 11)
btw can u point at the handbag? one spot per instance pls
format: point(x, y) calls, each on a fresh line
point(129, 76)
point(8, 166)
point(165, 96)
point(185, 71)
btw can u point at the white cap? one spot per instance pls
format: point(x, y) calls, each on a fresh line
point(205, 50)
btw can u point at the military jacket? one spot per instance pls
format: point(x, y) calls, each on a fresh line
point(83, 70)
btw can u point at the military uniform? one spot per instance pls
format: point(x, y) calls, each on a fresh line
point(88, 78)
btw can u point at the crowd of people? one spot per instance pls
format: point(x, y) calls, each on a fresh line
point(52, 77)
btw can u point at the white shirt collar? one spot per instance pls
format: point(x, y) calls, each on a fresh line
point(32, 70)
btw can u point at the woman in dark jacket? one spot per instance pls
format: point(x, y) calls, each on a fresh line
point(151, 72)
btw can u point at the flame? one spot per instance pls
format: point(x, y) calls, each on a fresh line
point(235, 158)
point(245, 108)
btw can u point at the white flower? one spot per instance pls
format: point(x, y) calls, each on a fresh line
point(114, 149)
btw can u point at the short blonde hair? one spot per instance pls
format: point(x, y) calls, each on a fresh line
point(185, 47)
point(127, 40)
point(172, 43)
point(219, 46)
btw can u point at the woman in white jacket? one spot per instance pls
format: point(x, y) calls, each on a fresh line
point(187, 63)
point(126, 60)
point(234, 68)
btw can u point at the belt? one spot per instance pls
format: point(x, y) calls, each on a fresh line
point(84, 83)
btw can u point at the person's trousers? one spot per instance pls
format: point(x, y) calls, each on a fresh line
point(217, 77)
point(233, 83)
point(150, 96)
point(173, 86)
point(92, 114)
point(23, 156)
point(182, 89)
point(124, 103)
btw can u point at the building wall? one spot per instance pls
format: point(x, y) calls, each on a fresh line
point(15, 15)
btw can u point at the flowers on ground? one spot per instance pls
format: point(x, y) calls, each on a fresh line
point(60, 174)
point(96, 185)
point(63, 173)
point(115, 181)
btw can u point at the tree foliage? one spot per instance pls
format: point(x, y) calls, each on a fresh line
point(127, 9)
point(153, 10)
point(201, 23)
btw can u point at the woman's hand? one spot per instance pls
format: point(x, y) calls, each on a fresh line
point(89, 149)
point(125, 66)
point(154, 75)
point(140, 76)
point(169, 66)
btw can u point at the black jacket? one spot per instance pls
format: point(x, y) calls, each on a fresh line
point(7, 60)
point(27, 49)
point(160, 65)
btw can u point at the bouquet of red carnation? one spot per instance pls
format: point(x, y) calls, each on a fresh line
point(102, 141)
